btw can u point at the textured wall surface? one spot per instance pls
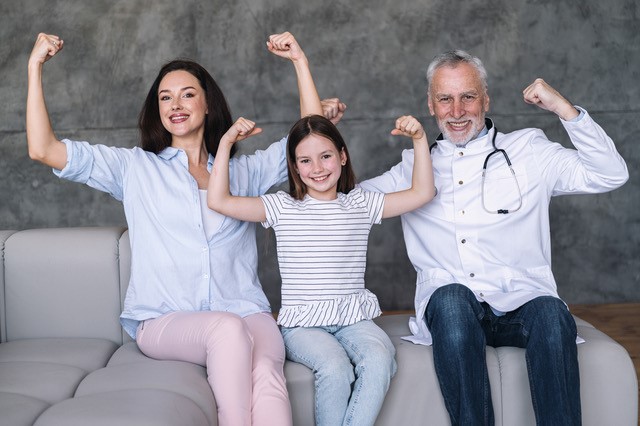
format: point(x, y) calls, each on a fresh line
point(373, 55)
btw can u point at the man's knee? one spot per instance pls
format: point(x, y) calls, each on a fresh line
point(552, 317)
point(450, 302)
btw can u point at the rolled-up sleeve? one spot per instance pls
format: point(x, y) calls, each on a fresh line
point(98, 166)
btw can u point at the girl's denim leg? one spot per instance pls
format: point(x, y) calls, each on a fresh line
point(373, 355)
point(459, 351)
point(552, 361)
point(319, 350)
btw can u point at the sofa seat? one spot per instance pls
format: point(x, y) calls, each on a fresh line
point(65, 361)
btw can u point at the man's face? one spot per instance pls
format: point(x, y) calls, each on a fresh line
point(458, 102)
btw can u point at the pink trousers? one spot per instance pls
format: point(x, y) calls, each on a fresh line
point(244, 358)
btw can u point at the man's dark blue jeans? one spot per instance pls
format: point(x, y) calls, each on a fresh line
point(462, 327)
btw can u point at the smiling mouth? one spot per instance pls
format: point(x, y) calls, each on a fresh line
point(320, 179)
point(178, 118)
point(458, 125)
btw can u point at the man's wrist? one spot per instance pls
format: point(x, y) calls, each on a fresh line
point(569, 113)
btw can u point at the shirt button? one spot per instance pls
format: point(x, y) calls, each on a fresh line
point(481, 294)
point(463, 241)
point(460, 153)
point(472, 275)
point(204, 248)
point(461, 212)
point(205, 276)
point(460, 182)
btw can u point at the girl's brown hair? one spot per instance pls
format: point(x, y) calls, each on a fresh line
point(318, 125)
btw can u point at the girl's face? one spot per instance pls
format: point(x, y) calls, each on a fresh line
point(182, 104)
point(319, 164)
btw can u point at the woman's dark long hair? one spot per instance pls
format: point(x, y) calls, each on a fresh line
point(318, 125)
point(153, 135)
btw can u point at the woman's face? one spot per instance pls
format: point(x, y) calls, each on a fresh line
point(183, 105)
point(319, 164)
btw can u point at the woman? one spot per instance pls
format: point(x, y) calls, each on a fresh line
point(194, 293)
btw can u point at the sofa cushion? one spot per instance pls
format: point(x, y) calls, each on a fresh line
point(128, 407)
point(301, 388)
point(131, 370)
point(20, 410)
point(36, 373)
point(86, 354)
point(414, 394)
point(47, 382)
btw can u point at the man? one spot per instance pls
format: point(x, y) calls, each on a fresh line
point(482, 246)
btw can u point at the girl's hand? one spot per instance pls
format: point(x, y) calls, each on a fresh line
point(285, 46)
point(408, 126)
point(240, 130)
point(45, 48)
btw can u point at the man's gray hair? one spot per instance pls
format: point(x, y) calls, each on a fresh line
point(451, 59)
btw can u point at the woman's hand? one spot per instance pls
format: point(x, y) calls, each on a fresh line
point(41, 141)
point(285, 46)
point(45, 48)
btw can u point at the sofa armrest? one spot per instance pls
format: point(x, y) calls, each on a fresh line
point(4, 235)
point(63, 283)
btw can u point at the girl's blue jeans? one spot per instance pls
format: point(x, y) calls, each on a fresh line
point(353, 366)
point(462, 327)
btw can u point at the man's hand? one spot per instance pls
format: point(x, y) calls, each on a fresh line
point(333, 109)
point(539, 93)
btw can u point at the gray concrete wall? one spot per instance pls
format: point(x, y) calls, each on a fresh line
point(373, 55)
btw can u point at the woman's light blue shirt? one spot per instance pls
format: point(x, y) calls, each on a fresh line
point(173, 265)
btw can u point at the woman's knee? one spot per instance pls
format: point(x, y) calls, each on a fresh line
point(226, 326)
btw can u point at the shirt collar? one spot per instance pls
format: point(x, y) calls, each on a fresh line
point(168, 153)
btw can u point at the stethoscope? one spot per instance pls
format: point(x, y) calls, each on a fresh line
point(496, 150)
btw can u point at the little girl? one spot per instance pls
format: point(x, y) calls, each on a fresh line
point(322, 227)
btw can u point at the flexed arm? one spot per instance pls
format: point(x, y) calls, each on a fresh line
point(286, 46)
point(541, 94)
point(595, 167)
point(422, 188)
point(41, 141)
point(250, 209)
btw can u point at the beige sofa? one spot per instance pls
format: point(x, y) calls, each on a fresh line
point(64, 359)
